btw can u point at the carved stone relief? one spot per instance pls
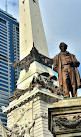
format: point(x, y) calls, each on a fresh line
point(66, 124)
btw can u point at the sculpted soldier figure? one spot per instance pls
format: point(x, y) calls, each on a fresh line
point(65, 64)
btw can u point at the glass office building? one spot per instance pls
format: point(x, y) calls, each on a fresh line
point(9, 53)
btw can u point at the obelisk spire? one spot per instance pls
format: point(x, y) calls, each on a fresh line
point(31, 28)
point(33, 48)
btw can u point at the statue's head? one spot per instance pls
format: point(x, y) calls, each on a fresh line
point(63, 47)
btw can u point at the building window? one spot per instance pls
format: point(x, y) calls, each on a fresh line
point(2, 21)
point(17, 29)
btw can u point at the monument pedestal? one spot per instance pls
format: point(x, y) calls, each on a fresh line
point(65, 118)
point(29, 113)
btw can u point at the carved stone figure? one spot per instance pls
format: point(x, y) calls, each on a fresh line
point(65, 64)
point(27, 129)
point(23, 129)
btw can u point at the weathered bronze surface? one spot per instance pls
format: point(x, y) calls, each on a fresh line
point(33, 56)
point(65, 64)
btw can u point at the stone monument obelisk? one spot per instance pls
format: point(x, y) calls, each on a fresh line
point(27, 113)
point(31, 28)
point(31, 34)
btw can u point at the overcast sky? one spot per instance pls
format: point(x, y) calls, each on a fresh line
point(62, 23)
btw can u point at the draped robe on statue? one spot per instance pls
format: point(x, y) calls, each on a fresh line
point(65, 64)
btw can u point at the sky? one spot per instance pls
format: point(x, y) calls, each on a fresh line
point(61, 21)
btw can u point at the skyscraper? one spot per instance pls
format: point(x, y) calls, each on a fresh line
point(9, 53)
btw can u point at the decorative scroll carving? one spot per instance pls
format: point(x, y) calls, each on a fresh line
point(33, 56)
point(43, 80)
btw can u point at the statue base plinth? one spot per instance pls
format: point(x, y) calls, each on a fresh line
point(65, 118)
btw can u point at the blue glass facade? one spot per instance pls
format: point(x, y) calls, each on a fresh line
point(9, 53)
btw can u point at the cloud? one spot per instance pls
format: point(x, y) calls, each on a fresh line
point(13, 3)
point(61, 20)
point(13, 7)
point(2, 4)
point(62, 23)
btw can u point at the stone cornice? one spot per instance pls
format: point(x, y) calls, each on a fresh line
point(33, 56)
point(32, 95)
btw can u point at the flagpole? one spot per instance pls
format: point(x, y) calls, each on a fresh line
point(6, 6)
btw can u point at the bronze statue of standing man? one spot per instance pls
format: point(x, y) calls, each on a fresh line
point(65, 64)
